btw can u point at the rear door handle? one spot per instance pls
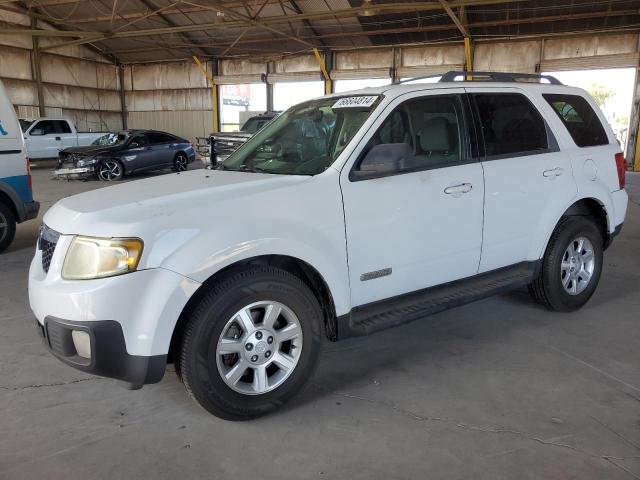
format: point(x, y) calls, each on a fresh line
point(457, 190)
point(58, 138)
point(554, 172)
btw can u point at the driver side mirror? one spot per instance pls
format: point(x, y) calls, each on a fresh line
point(37, 132)
point(382, 160)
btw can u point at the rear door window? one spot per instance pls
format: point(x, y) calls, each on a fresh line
point(62, 126)
point(579, 118)
point(157, 137)
point(511, 125)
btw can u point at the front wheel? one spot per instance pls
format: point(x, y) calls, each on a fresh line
point(571, 265)
point(251, 343)
point(7, 226)
point(111, 171)
point(180, 163)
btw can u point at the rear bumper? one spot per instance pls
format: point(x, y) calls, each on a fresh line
point(609, 240)
point(108, 352)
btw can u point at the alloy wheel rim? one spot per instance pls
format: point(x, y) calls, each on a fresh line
point(110, 170)
point(259, 347)
point(577, 266)
point(181, 163)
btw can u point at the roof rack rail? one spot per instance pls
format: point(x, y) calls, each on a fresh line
point(484, 77)
point(422, 77)
point(497, 77)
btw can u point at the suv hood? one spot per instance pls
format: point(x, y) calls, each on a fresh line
point(172, 201)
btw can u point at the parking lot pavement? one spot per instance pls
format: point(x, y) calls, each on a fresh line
point(499, 389)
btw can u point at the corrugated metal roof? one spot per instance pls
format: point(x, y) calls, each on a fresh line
point(154, 30)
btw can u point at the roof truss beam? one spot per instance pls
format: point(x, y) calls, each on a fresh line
point(454, 18)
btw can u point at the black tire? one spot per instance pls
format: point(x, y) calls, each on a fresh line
point(197, 365)
point(111, 170)
point(7, 226)
point(548, 289)
point(180, 163)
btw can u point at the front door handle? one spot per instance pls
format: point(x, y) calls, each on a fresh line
point(554, 172)
point(457, 190)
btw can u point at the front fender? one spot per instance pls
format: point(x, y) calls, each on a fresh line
point(331, 264)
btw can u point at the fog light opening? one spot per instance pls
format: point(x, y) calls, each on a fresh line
point(82, 342)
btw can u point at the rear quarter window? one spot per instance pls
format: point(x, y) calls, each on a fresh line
point(579, 118)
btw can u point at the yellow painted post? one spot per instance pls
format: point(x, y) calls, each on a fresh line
point(327, 78)
point(214, 94)
point(468, 55)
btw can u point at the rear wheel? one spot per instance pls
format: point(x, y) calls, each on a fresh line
point(180, 163)
point(7, 226)
point(571, 266)
point(251, 343)
point(111, 171)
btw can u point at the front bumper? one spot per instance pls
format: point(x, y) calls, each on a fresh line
point(108, 352)
point(75, 173)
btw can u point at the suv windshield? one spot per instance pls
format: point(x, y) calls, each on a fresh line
point(306, 139)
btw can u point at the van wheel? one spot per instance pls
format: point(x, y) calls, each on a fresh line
point(180, 163)
point(251, 343)
point(7, 226)
point(571, 265)
point(111, 171)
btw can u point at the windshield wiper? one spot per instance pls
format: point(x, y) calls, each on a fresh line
point(243, 168)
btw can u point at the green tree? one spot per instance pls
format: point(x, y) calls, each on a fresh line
point(601, 94)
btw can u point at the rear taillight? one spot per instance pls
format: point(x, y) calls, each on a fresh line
point(29, 182)
point(621, 166)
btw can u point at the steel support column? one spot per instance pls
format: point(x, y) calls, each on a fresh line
point(123, 98)
point(325, 67)
point(37, 73)
point(270, 69)
point(214, 95)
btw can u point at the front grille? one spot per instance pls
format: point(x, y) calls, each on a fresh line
point(47, 241)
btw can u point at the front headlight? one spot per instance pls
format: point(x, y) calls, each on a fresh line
point(87, 162)
point(89, 258)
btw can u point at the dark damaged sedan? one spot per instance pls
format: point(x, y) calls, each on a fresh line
point(115, 155)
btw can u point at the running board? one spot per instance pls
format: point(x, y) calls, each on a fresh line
point(373, 317)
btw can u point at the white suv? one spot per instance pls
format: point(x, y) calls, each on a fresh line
point(345, 215)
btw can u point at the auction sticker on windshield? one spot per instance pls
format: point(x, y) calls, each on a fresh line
point(355, 102)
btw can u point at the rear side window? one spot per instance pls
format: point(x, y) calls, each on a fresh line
point(511, 125)
point(62, 126)
point(579, 118)
point(157, 137)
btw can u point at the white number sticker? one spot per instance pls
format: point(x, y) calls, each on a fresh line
point(356, 102)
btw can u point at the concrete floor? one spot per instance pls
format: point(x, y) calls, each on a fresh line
point(500, 389)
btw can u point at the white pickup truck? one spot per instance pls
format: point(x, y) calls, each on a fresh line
point(45, 137)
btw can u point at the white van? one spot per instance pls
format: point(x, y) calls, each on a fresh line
point(16, 197)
